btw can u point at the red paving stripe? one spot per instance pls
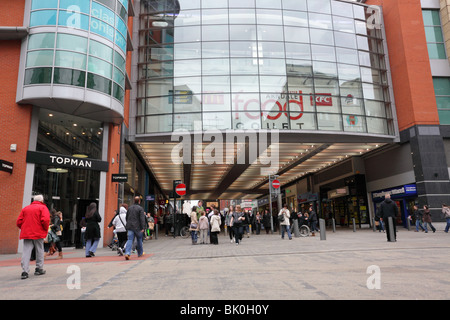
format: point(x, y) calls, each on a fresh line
point(97, 259)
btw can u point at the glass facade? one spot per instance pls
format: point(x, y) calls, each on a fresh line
point(260, 64)
point(433, 33)
point(70, 56)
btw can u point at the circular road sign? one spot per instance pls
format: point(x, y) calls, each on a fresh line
point(180, 189)
point(276, 184)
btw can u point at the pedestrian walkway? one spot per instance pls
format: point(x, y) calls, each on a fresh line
point(262, 267)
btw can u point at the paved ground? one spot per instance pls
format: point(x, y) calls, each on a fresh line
point(359, 265)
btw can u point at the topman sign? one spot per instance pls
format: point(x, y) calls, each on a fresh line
point(58, 160)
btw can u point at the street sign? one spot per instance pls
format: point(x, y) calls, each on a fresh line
point(180, 189)
point(119, 177)
point(276, 184)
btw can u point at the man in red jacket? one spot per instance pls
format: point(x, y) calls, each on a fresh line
point(33, 223)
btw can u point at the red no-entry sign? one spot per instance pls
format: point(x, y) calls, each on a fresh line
point(180, 189)
point(275, 184)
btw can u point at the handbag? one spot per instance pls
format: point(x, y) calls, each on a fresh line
point(151, 225)
point(193, 226)
point(281, 218)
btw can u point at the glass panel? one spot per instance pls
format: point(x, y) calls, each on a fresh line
point(70, 60)
point(119, 77)
point(158, 87)
point(273, 4)
point(183, 101)
point(246, 120)
point(158, 105)
point(326, 86)
point(322, 37)
point(70, 77)
point(83, 6)
point(370, 75)
point(242, 16)
point(191, 84)
point(99, 83)
point(186, 121)
point(436, 51)
point(444, 116)
point(40, 58)
point(100, 67)
point(43, 4)
point(215, 66)
point(214, 3)
point(213, 50)
point(297, 51)
point(293, 34)
point(243, 32)
point(244, 84)
point(320, 21)
point(269, 17)
point(43, 18)
point(103, 29)
point(38, 75)
point(188, 18)
point(324, 69)
point(376, 125)
point(350, 88)
point(119, 61)
point(273, 84)
point(214, 33)
point(342, 9)
point(348, 72)
point(244, 66)
point(216, 84)
point(443, 102)
point(324, 53)
point(353, 123)
point(329, 122)
point(272, 66)
point(326, 103)
point(347, 56)
point(441, 86)
point(271, 33)
point(375, 108)
point(346, 40)
point(100, 50)
point(343, 24)
point(216, 102)
point(299, 68)
point(121, 42)
point(186, 34)
point(373, 91)
point(41, 40)
point(243, 49)
point(303, 85)
point(431, 17)
point(271, 50)
point(351, 105)
point(217, 121)
point(242, 3)
point(322, 6)
point(71, 42)
point(434, 34)
point(158, 124)
point(245, 102)
point(214, 16)
point(187, 68)
point(294, 5)
point(303, 121)
point(295, 18)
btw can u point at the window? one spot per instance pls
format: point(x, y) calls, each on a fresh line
point(433, 32)
point(442, 92)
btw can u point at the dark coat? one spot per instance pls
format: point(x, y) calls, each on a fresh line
point(92, 227)
point(388, 208)
point(136, 218)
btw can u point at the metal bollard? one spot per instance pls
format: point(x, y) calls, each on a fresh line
point(296, 230)
point(322, 229)
point(374, 226)
point(354, 225)
point(391, 230)
point(334, 224)
point(156, 231)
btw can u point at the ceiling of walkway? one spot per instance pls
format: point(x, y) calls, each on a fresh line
point(233, 176)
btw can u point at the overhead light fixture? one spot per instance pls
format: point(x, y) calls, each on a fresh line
point(57, 170)
point(79, 155)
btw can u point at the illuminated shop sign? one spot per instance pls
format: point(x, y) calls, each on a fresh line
point(59, 160)
point(407, 190)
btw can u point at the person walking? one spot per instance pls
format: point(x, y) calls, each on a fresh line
point(446, 214)
point(92, 234)
point(237, 221)
point(313, 220)
point(216, 221)
point(33, 222)
point(193, 227)
point(135, 225)
point(266, 221)
point(418, 216)
point(56, 225)
point(258, 222)
point(229, 225)
point(119, 223)
point(203, 225)
point(283, 218)
point(427, 219)
point(388, 208)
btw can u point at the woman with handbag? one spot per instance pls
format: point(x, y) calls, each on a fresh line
point(193, 227)
point(215, 227)
point(237, 221)
point(92, 234)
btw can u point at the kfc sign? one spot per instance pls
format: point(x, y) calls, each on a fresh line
point(324, 100)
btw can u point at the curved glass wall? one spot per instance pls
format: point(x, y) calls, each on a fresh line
point(85, 48)
point(261, 64)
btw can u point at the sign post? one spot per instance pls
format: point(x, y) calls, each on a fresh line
point(273, 190)
point(177, 187)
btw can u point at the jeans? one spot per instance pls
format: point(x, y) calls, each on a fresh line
point(131, 235)
point(419, 224)
point(194, 236)
point(286, 228)
point(425, 226)
point(238, 231)
point(448, 224)
point(91, 245)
